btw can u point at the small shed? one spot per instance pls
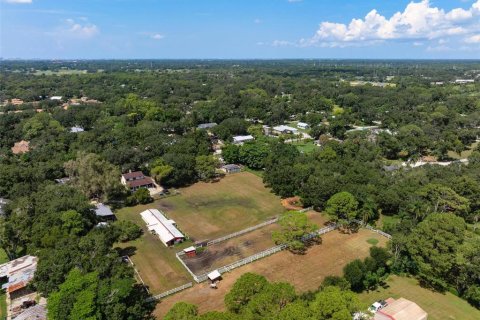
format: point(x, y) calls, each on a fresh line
point(104, 212)
point(215, 275)
point(231, 168)
point(190, 251)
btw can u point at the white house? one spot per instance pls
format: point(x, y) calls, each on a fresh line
point(284, 130)
point(164, 228)
point(303, 125)
point(242, 139)
point(57, 98)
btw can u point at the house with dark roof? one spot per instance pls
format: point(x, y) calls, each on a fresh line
point(136, 180)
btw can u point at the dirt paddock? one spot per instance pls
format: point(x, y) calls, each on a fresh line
point(224, 253)
point(305, 272)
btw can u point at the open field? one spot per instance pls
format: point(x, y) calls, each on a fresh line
point(438, 306)
point(224, 253)
point(305, 146)
point(305, 272)
point(60, 72)
point(157, 264)
point(210, 210)
point(3, 306)
point(464, 154)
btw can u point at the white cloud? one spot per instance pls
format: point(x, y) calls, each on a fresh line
point(71, 29)
point(19, 1)
point(419, 21)
point(473, 39)
point(157, 36)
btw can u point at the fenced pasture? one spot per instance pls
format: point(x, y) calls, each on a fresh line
point(305, 272)
point(207, 211)
point(228, 250)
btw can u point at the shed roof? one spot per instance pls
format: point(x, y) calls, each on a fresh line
point(243, 138)
point(231, 167)
point(102, 210)
point(215, 274)
point(38, 312)
point(163, 227)
point(206, 125)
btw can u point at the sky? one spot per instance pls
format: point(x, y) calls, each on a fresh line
point(239, 29)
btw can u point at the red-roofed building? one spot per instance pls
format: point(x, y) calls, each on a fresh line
point(136, 180)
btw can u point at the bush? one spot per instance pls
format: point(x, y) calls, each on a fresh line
point(141, 196)
point(127, 231)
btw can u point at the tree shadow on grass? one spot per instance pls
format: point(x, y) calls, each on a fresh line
point(127, 251)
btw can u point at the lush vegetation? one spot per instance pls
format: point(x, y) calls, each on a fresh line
point(147, 120)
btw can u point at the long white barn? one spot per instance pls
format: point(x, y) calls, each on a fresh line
point(164, 228)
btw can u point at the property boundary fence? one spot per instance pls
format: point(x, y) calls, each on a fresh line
point(170, 292)
point(257, 256)
point(369, 227)
point(242, 262)
point(136, 272)
point(241, 232)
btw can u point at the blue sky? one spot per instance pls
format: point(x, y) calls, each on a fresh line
point(177, 29)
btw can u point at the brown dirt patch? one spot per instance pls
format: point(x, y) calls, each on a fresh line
point(291, 203)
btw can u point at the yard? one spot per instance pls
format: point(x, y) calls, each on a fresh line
point(438, 306)
point(157, 264)
point(203, 210)
point(306, 146)
point(210, 210)
point(305, 272)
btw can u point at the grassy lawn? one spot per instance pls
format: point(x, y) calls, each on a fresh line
point(438, 306)
point(258, 173)
point(156, 264)
point(305, 147)
point(3, 256)
point(464, 154)
point(386, 220)
point(210, 210)
point(3, 306)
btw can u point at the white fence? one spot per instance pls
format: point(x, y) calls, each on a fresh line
point(244, 261)
point(169, 292)
point(369, 227)
point(262, 254)
point(241, 232)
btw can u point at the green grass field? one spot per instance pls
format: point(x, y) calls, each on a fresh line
point(438, 306)
point(305, 147)
point(3, 306)
point(210, 210)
